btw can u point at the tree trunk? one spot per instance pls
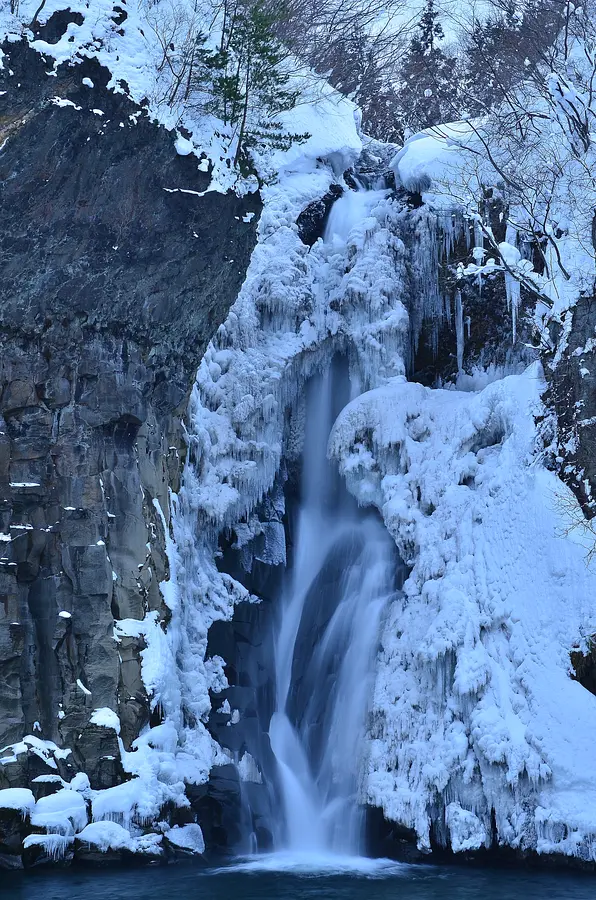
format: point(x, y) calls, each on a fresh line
point(244, 116)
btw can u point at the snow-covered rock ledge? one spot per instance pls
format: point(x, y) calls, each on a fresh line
point(57, 820)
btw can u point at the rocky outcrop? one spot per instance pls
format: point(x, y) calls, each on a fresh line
point(572, 397)
point(116, 271)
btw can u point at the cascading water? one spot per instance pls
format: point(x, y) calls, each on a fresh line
point(343, 574)
point(352, 207)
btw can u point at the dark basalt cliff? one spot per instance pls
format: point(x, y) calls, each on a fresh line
point(112, 284)
point(572, 397)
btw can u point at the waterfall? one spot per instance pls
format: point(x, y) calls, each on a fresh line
point(342, 575)
point(349, 209)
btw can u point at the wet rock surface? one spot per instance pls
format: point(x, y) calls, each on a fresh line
point(311, 222)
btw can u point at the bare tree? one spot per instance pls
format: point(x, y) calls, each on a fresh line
point(536, 152)
point(177, 28)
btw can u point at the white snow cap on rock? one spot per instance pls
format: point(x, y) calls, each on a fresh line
point(20, 799)
point(61, 813)
point(187, 837)
point(183, 146)
point(106, 836)
point(106, 718)
point(433, 161)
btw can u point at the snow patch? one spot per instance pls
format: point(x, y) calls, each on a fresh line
point(106, 718)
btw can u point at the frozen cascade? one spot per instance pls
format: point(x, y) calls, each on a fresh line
point(350, 209)
point(343, 576)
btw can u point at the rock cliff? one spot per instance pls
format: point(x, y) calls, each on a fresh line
point(116, 271)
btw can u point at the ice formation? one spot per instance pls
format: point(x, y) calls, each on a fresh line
point(477, 727)
point(474, 731)
point(282, 328)
point(478, 732)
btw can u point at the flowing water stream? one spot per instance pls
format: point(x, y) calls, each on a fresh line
point(344, 572)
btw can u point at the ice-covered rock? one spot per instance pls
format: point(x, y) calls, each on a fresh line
point(64, 812)
point(186, 837)
point(20, 799)
point(106, 835)
point(474, 711)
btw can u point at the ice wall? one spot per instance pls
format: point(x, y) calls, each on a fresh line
point(297, 308)
point(478, 732)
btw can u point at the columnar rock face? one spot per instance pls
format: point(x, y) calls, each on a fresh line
point(115, 274)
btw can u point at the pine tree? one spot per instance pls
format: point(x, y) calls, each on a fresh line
point(427, 95)
point(430, 32)
point(247, 87)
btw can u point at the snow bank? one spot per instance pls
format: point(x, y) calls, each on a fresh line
point(474, 704)
point(104, 836)
point(61, 813)
point(433, 162)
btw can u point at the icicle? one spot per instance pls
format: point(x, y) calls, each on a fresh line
point(478, 252)
point(447, 308)
point(513, 291)
point(512, 285)
point(478, 234)
point(459, 330)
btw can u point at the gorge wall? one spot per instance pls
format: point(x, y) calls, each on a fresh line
point(145, 512)
point(113, 283)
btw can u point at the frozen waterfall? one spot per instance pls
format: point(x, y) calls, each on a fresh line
point(350, 209)
point(342, 576)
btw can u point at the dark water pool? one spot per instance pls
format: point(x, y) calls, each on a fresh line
point(390, 882)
